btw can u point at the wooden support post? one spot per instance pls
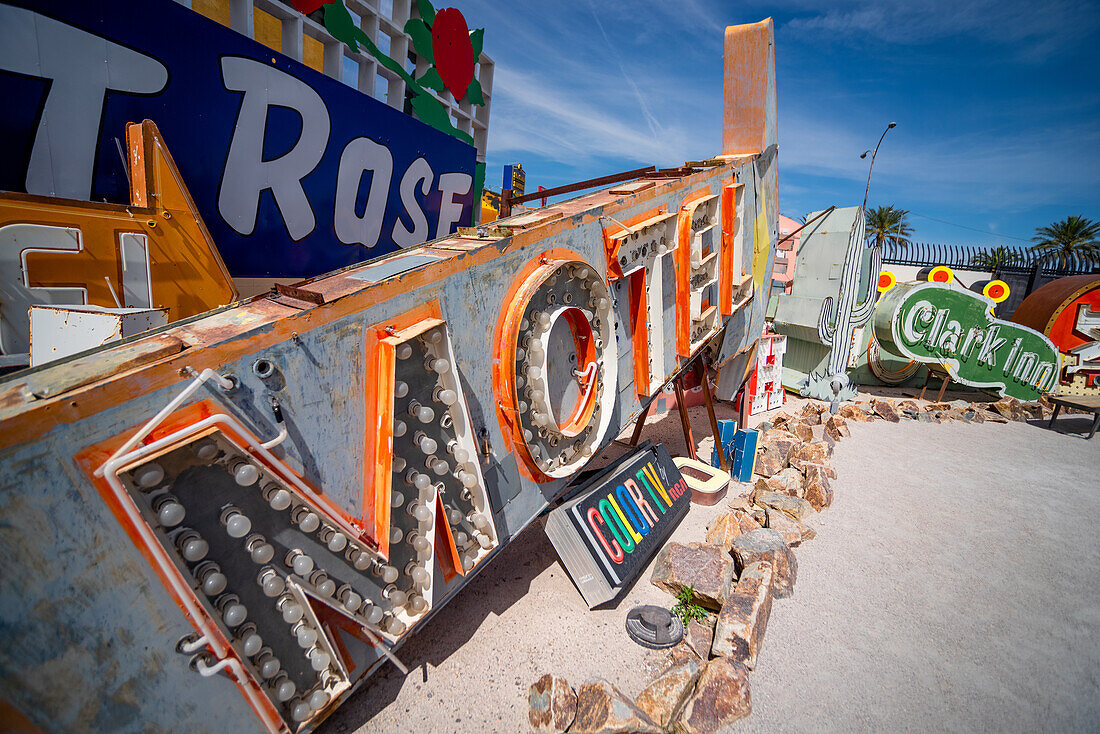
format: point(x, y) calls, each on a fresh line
point(684, 422)
point(713, 419)
point(640, 424)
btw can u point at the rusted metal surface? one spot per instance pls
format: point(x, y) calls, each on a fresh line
point(300, 294)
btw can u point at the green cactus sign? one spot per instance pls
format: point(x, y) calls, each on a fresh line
point(943, 324)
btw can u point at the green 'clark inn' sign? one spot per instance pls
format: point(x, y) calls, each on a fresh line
point(942, 324)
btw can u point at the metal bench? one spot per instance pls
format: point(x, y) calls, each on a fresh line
point(1087, 403)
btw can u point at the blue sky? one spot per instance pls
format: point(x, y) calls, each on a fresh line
point(997, 101)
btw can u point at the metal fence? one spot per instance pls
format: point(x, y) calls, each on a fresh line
point(962, 257)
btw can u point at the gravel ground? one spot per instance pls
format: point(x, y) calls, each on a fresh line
point(953, 586)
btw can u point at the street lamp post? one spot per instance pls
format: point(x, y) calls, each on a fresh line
point(872, 168)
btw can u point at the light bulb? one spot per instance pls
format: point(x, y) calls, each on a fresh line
point(301, 711)
point(169, 512)
point(581, 273)
point(389, 574)
point(422, 513)
point(533, 371)
point(280, 499)
point(319, 659)
point(536, 350)
point(483, 540)
point(399, 464)
point(522, 407)
point(399, 428)
point(417, 604)
point(192, 547)
point(396, 499)
point(480, 521)
point(326, 587)
point(300, 562)
point(456, 450)
point(537, 395)
point(420, 481)
point(434, 337)
point(337, 542)
point(461, 538)
point(427, 444)
point(524, 325)
point(285, 690)
point(213, 583)
point(374, 616)
point(269, 664)
point(404, 351)
point(395, 626)
point(454, 516)
point(292, 611)
point(237, 525)
point(318, 700)
point(234, 614)
point(400, 389)
point(206, 450)
point(272, 583)
point(440, 467)
point(425, 414)
point(535, 450)
point(419, 542)
point(520, 382)
point(307, 521)
point(246, 474)
point(307, 636)
point(362, 561)
point(396, 534)
point(395, 596)
point(467, 563)
point(261, 552)
point(148, 475)
point(544, 319)
point(520, 354)
point(527, 435)
point(441, 366)
point(420, 576)
point(252, 644)
point(469, 481)
point(448, 397)
point(352, 600)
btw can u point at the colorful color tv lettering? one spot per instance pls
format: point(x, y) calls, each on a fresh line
point(936, 323)
point(254, 508)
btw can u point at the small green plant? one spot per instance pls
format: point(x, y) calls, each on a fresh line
point(686, 609)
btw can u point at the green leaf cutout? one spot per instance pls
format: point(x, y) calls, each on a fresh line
point(477, 39)
point(432, 80)
point(428, 109)
point(421, 37)
point(427, 12)
point(474, 94)
point(338, 22)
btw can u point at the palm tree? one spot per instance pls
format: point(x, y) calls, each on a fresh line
point(1072, 238)
point(997, 259)
point(887, 225)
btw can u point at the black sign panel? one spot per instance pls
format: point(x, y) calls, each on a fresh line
point(618, 521)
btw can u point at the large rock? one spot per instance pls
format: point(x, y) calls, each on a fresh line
point(796, 507)
point(743, 620)
point(908, 408)
point(774, 450)
point(793, 531)
point(603, 709)
point(885, 409)
point(853, 413)
point(837, 427)
point(705, 567)
point(788, 481)
point(721, 697)
point(992, 417)
point(1010, 408)
point(804, 431)
point(780, 420)
point(812, 453)
point(663, 698)
point(699, 636)
point(816, 488)
point(1034, 411)
point(810, 414)
point(553, 705)
point(767, 545)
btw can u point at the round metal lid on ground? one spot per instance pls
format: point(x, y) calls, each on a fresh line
point(654, 627)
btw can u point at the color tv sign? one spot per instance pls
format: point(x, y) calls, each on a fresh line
point(294, 173)
point(606, 534)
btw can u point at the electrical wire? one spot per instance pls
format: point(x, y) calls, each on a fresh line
point(972, 229)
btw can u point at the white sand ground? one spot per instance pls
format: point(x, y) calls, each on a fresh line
point(953, 586)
